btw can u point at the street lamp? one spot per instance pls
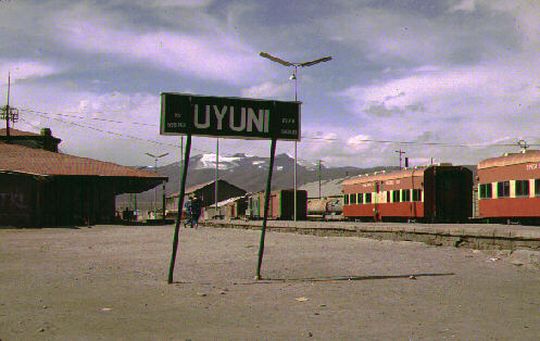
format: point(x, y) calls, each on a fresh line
point(401, 152)
point(156, 158)
point(294, 77)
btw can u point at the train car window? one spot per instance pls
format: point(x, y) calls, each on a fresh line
point(367, 198)
point(486, 191)
point(503, 189)
point(360, 198)
point(345, 199)
point(537, 187)
point(388, 196)
point(395, 196)
point(522, 188)
point(406, 195)
point(416, 195)
point(353, 198)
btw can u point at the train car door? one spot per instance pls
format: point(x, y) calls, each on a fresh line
point(453, 194)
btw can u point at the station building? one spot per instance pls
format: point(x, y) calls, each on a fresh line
point(40, 186)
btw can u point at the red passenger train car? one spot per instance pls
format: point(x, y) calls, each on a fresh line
point(509, 187)
point(437, 193)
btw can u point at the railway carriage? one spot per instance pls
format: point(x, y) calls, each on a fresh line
point(509, 187)
point(281, 205)
point(437, 193)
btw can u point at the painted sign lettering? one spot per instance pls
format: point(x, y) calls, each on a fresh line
point(532, 166)
point(183, 114)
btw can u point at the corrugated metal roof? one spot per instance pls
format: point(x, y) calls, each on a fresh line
point(529, 156)
point(20, 159)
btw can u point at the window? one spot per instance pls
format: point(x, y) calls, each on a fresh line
point(503, 189)
point(367, 198)
point(416, 195)
point(406, 195)
point(360, 198)
point(522, 188)
point(537, 187)
point(388, 196)
point(353, 198)
point(486, 191)
point(345, 199)
point(395, 196)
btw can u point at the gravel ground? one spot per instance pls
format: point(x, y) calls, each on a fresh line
point(110, 283)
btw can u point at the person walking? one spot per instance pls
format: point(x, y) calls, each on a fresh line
point(195, 211)
point(188, 209)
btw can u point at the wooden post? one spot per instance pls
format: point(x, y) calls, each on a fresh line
point(266, 205)
point(180, 207)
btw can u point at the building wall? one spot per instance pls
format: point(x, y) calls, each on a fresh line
point(17, 200)
point(29, 201)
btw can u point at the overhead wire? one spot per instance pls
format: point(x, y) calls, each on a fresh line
point(48, 115)
point(87, 117)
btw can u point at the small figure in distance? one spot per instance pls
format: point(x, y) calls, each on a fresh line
point(195, 211)
point(188, 209)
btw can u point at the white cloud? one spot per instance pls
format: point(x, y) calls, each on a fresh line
point(267, 90)
point(358, 143)
point(464, 5)
point(497, 84)
point(178, 3)
point(209, 55)
point(25, 69)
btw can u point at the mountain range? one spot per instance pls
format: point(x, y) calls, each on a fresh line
point(247, 172)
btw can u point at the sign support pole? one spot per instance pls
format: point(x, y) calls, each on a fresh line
point(266, 206)
point(180, 207)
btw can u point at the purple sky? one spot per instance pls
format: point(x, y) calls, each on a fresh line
point(457, 80)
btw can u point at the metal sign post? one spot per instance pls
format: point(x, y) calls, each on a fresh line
point(185, 114)
point(180, 208)
point(266, 206)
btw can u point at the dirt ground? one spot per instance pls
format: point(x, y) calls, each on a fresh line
point(110, 283)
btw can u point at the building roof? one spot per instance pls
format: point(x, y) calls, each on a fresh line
point(329, 188)
point(228, 201)
point(382, 176)
point(16, 132)
point(20, 159)
point(530, 156)
point(195, 188)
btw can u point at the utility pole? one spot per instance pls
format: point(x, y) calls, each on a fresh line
point(8, 113)
point(156, 158)
point(319, 175)
point(401, 152)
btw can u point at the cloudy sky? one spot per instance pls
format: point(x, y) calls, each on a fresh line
point(453, 80)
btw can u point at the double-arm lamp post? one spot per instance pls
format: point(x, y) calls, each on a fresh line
point(156, 158)
point(294, 77)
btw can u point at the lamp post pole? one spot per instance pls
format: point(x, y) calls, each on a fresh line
point(156, 158)
point(401, 152)
point(295, 78)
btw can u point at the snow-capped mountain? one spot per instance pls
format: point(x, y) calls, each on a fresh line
point(249, 172)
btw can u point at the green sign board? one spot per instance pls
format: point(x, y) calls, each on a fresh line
point(183, 114)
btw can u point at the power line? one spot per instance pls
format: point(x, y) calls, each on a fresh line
point(110, 132)
point(312, 139)
point(439, 144)
point(30, 111)
point(325, 139)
